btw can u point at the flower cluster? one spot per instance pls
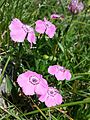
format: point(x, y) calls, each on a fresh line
point(75, 6)
point(34, 83)
point(19, 31)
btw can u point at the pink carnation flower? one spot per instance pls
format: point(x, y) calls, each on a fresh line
point(75, 6)
point(19, 31)
point(60, 72)
point(32, 83)
point(51, 98)
point(55, 16)
point(45, 27)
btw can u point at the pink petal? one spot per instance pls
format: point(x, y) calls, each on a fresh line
point(80, 6)
point(40, 90)
point(50, 31)
point(40, 26)
point(44, 82)
point(53, 69)
point(28, 89)
point(31, 73)
point(18, 35)
point(67, 75)
point(58, 99)
point(42, 98)
point(28, 73)
point(49, 102)
point(60, 75)
point(15, 24)
point(42, 87)
point(74, 2)
point(31, 38)
point(22, 80)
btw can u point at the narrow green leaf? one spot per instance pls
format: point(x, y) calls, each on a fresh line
point(61, 47)
point(4, 69)
point(1, 3)
point(9, 85)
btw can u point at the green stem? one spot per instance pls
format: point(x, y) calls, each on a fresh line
point(80, 63)
point(86, 73)
point(10, 113)
point(62, 105)
point(4, 69)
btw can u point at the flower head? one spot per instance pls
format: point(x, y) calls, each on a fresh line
point(45, 27)
point(32, 83)
point(19, 31)
point(60, 72)
point(56, 16)
point(75, 6)
point(51, 98)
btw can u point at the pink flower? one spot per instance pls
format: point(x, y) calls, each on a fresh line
point(60, 72)
point(55, 16)
point(51, 98)
point(32, 83)
point(19, 31)
point(45, 27)
point(75, 6)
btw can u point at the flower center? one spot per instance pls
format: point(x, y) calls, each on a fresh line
point(62, 69)
point(52, 92)
point(27, 28)
point(34, 80)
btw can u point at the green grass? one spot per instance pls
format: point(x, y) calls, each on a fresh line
point(70, 47)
